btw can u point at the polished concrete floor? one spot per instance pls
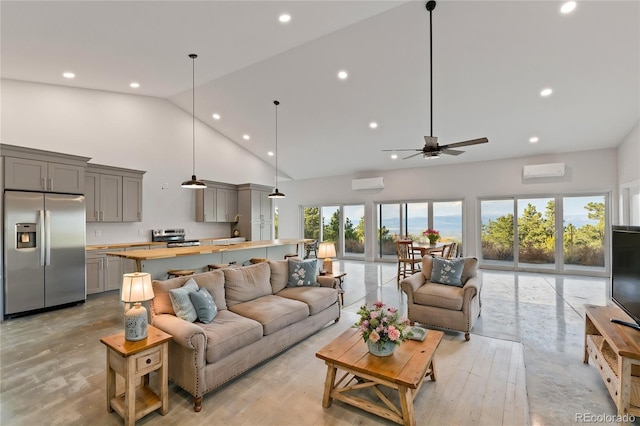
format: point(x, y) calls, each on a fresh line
point(543, 311)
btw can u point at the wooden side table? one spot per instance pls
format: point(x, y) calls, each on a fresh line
point(133, 360)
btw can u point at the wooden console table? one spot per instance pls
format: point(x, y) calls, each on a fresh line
point(615, 351)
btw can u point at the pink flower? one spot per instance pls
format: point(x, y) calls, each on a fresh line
point(378, 304)
point(374, 336)
point(392, 310)
point(374, 314)
point(393, 333)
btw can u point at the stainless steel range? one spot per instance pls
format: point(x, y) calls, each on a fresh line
point(173, 237)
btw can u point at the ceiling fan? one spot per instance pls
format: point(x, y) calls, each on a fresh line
point(431, 148)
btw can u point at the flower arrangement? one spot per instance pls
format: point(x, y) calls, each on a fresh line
point(381, 324)
point(432, 235)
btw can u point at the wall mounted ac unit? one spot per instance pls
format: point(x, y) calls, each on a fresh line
point(543, 170)
point(369, 183)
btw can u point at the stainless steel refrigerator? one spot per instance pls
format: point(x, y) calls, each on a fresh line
point(44, 250)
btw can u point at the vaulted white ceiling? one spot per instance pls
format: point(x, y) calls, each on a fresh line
point(490, 61)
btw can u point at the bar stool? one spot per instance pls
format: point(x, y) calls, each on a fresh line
point(215, 266)
point(179, 272)
point(254, 260)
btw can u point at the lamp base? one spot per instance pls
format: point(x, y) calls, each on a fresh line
point(327, 265)
point(135, 323)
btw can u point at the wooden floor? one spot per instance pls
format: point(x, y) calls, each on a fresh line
point(52, 371)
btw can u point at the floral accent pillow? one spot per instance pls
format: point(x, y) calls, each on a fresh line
point(446, 271)
point(302, 273)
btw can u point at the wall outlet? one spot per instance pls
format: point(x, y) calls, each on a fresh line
point(98, 232)
point(165, 185)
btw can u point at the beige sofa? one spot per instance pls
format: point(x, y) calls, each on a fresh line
point(258, 317)
point(444, 306)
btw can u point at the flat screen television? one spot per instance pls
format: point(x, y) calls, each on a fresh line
point(625, 270)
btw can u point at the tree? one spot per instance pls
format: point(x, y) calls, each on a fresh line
point(312, 223)
point(349, 230)
point(360, 230)
point(331, 231)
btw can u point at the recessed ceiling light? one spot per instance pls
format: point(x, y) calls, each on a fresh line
point(394, 156)
point(216, 116)
point(246, 137)
point(270, 153)
point(373, 125)
point(568, 7)
point(546, 92)
point(134, 85)
point(284, 18)
point(342, 75)
point(68, 75)
point(534, 139)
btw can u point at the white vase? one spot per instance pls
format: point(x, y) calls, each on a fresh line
point(381, 348)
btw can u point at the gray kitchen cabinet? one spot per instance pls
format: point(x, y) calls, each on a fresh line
point(37, 170)
point(113, 194)
point(218, 202)
point(255, 211)
point(104, 273)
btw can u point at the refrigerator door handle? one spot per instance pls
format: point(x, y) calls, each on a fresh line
point(47, 230)
point(42, 240)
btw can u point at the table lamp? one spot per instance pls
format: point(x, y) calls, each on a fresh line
point(326, 251)
point(136, 288)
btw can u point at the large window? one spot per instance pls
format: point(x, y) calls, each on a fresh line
point(354, 230)
point(343, 225)
point(411, 219)
point(560, 233)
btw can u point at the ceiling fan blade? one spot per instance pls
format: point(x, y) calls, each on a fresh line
point(451, 151)
point(413, 155)
point(394, 150)
point(465, 143)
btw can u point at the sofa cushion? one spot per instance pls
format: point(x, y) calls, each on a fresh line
point(279, 274)
point(447, 271)
point(302, 272)
point(229, 332)
point(247, 283)
point(161, 300)
point(439, 295)
point(273, 312)
point(214, 283)
point(181, 301)
point(318, 298)
point(204, 305)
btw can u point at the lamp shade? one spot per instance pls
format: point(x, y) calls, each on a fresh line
point(136, 287)
point(326, 249)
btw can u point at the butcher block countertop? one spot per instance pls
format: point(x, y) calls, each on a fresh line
point(163, 253)
point(108, 246)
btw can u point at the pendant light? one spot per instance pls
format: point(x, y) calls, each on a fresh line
point(193, 183)
point(276, 193)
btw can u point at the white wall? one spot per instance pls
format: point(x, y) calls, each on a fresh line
point(135, 132)
point(586, 172)
point(629, 178)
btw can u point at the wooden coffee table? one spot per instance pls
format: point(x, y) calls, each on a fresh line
point(404, 371)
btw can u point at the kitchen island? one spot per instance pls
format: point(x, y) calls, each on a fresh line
point(157, 261)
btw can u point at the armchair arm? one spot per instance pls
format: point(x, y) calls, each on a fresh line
point(184, 333)
point(471, 289)
point(411, 284)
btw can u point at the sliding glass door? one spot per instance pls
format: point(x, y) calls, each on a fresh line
point(536, 233)
point(584, 220)
point(354, 231)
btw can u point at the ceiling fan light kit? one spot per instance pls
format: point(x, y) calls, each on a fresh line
point(431, 148)
point(193, 183)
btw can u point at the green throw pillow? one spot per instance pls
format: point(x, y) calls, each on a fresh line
point(446, 271)
point(204, 305)
point(302, 273)
point(181, 302)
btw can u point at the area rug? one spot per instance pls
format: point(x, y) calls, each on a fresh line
point(480, 382)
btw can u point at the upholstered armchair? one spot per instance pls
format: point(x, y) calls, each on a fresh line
point(452, 307)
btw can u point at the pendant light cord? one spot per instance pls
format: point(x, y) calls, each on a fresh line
point(431, 72)
point(276, 103)
point(193, 108)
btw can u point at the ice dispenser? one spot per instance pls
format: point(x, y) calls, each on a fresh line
point(26, 235)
